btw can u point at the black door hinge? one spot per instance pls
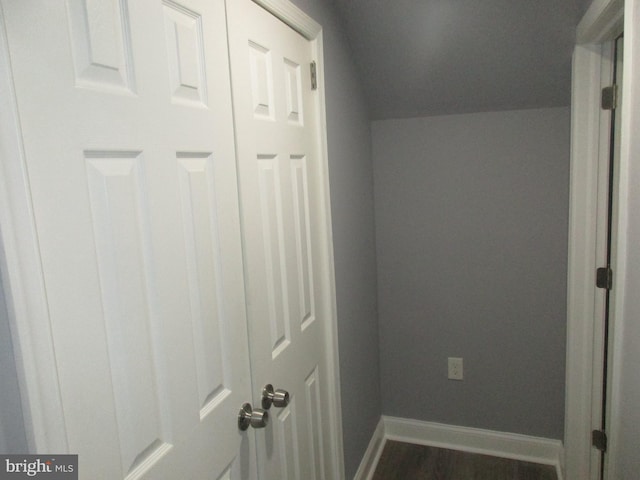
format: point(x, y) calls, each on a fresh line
point(609, 98)
point(604, 278)
point(599, 440)
point(314, 76)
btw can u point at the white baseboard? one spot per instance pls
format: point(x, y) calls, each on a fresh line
point(372, 454)
point(474, 440)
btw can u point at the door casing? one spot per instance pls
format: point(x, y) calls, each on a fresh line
point(20, 262)
point(593, 62)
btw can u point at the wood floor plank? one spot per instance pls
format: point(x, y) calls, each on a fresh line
point(406, 461)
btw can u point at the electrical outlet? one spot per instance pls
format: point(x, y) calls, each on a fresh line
point(455, 368)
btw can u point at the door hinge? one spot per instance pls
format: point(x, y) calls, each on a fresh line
point(314, 76)
point(599, 440)
point(604, 278)
point(609, 99)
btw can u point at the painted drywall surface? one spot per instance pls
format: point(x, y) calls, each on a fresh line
point(12, 433)
point(471, 232)
point(351, 179)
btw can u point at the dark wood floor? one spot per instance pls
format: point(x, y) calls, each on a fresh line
point(405, 461)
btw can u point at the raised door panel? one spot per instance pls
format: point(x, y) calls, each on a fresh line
point(206, 298)
point(120, 217)
point(275, 256)
point(185, 50)
point(101, 44)
point(302, 229)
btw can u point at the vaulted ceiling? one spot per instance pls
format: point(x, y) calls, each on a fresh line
point(433, 57)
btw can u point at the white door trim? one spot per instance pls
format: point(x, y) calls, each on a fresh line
point(310, 29)
point(473, 440)
point(602, 22)
point(630, 123)
point(292, 16)
point(23, 279)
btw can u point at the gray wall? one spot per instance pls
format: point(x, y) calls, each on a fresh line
point(351, 178)
point(471, 232)
point(12, 434)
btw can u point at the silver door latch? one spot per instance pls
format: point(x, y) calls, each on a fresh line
point(247, 417)
point(278, 398)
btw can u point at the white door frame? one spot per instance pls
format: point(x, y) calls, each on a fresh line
point(592, 61)
point(20, 262)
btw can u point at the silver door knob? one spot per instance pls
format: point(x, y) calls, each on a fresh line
point(278, 398)
point(247, 417)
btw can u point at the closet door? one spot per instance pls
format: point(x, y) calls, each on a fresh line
point(283, 196)
point(125, 112)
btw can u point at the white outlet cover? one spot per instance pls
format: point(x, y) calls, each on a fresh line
point(455, 368)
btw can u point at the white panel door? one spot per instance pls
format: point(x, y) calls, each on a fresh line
point(125, 110)
point(277, 127)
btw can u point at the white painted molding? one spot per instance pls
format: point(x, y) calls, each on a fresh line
point(474, 440)
point(581, 291)
point(292, 16)
point(603, 21)
point(372, 454)
point(329, 276)
point(485, 442)
point(629, 157)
